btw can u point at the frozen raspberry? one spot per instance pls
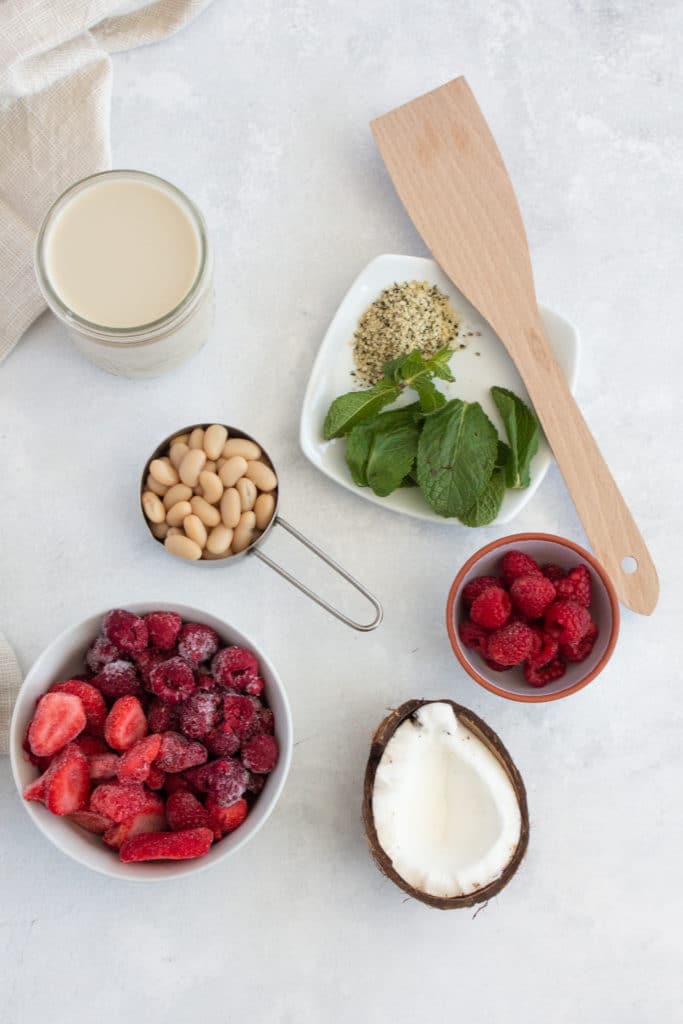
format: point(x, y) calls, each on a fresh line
point(177, 754)
point(146, 661)
point(567, 621)
point(475, 587)
point(495, 667)
point(163, 628)
point(162, 717)
point(544, 649)
point(576, 586)
point(197, 643)
point(260, 754)
point(532, 594)
point(510, 644)
point(199, 713)
point(92, 699)
point(205, 681)
point(254, 687)
point(175, 782)
point(225, 779)
point(256, 784)
point(516, 563)
point(492, 608)
point(232, 665)
point(117, 679)
point(581, 650)
point(101, 653)
point(222, 741)
point(183, 810)
point(473, 636)
point(552, 572)
point(539, 677)
point(172, 680)
point(266, 720)
point(239, 714)
point(126, 630)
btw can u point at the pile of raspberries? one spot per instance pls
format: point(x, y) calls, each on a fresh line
point(533, 616)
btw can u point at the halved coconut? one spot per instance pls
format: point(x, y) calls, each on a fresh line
point(444, 806)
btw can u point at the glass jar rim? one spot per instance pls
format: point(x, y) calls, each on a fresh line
point(101, 332)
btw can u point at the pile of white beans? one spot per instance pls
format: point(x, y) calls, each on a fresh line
point(210, 496)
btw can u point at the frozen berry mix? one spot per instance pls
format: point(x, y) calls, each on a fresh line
point(533, 618)
point(162, 746)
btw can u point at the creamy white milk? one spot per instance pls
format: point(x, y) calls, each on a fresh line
point(122, 253)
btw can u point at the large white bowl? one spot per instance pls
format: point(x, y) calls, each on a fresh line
point(65, 657)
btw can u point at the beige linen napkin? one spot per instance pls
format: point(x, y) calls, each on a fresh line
point(55, 88)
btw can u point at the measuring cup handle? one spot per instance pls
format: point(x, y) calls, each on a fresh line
point(364, 627)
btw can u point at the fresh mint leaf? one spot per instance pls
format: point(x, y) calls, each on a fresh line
point(456, 456)
point(523, 433)
point(355, 406)
point(430, 397)
point(487, 505)
point(439, 366)
point(381, 451)
point(503, 456)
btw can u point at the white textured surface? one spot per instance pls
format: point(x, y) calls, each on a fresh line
point(260, 112)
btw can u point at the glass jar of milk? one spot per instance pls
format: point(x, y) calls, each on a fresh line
point(123, 260)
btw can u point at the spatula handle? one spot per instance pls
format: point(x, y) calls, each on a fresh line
point(607, 520)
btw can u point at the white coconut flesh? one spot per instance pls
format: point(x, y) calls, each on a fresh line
point(444, 808)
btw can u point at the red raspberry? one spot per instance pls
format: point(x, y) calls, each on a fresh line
point(492, 608)
point(163, 628)
point(162, 717)
point(266, 720)
point(256, 784)
point(101, 653)
point(538, 677)
point(473, 636)
point(576, 586)
point(126, 630)
point(222, 741)
point(260, 754)
point(239, 714)
point(495, 667)
point(177, 754)
point(532, 594)
point(255, 686)
point(581, 650)
point(516, 563)
point(477, 586)
point(225, 779)
point(117, 679)
point(552, 572)
point(544, 650)
point(197, 643)
point(146, 661)
point(567, 621)
point(231, 665)
point(510, 644)
point(199, 714)
point(172, 680)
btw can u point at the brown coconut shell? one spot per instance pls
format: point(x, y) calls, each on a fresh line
point(483, 732)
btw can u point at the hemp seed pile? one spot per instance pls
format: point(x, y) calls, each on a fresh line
point(406, 316)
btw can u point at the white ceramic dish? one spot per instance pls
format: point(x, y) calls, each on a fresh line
point(64, 657)
point(475, 374)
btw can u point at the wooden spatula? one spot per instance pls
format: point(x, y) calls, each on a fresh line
point(451, 179)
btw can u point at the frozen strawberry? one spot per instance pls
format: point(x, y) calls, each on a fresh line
point(161, 716)
point(239, 714)
point(185, 845)
point(89, 746)
point(492, 608)
point(477, 586)
point(517, 563)
point(42, 763)
point(510, 644)
point(125, 724)
point(156, 778)
point(145, 661)
point(36, 789)
point(177, 753)
point(91, 822)
point(544, 649)
point(67, 782)
point(539, 677)
point(226, 819)
point(255, 686)
point(197, 643)
point(117, 679)
point(234, 665)
point(225, 779)
point(122, 800)
point(58, 719)
point(581, 650)
point(93, 702)
point(172, 681)
point(127, 631)
point(552, 572)
point(184, 810)
point(473, 636)
point(101, 653)
point(222, 741)
point(135, 764)
point(199, 713)
point(260, 754)
point(163, 629)
point(531, 594)
point(567, 621)
point(576, 586)
point(145, 821)
point(103, 766)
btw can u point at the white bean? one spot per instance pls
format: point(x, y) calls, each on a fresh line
point(263, 510)
point(247, 492)
point(163, 472)
point(191, 466)
point(208, 514)
point(159, 530)
point(211, 485)
point(175, 531)
point(214, 439)
point(178, 452)
point(153, 508)
point(195, 529)
point(240, 446)
point(210, 466)
point(178, 512)
point(262, 475)
point(180, 439)
point(196, 439)
point(179, 492)
point(244, 534)
point(182, 547)
point(154, 486)
point(219, 540)
point(234, 468)
point(231, 508)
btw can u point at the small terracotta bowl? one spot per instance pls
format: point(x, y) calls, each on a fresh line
point(544, 547)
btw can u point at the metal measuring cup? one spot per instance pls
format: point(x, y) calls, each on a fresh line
point(255, 547)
